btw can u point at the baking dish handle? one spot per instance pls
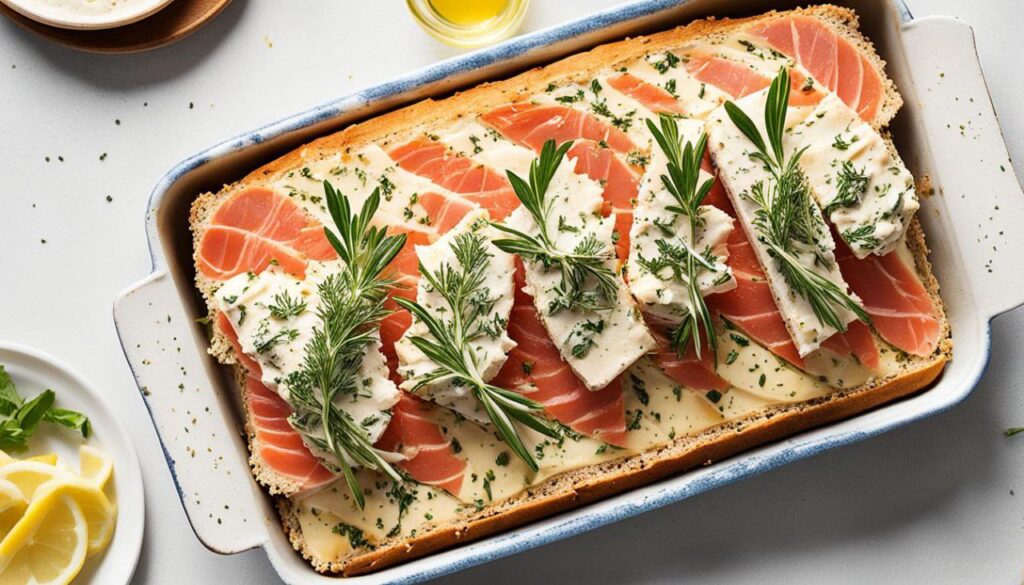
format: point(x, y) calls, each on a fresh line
point(165, 350)
point(973, 168)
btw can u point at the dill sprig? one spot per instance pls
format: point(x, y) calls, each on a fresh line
point(351, 308)
point(587, 283)
point(787, 219)
point(685, 262)
point(451, 341)
point(285, 306)
point(850, 185)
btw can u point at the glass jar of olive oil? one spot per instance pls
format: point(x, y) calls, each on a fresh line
point(469, 23)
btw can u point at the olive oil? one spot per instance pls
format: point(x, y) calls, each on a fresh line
point(469, 12)
point(469, 23)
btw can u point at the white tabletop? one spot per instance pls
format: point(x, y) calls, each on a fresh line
point(930, 503)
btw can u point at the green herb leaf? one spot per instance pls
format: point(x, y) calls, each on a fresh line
point(75, 421)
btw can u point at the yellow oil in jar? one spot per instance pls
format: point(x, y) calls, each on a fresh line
point(469, 12)
point(469, 23)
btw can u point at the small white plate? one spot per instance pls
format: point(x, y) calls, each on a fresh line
point(86, 14)
point(33, 372)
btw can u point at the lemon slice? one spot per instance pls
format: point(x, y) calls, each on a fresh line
point(100, 513)
point(5, 458)
point(29, 476)
point(34, 480)
point(48, 545)
point(96, 466)
point(49, 459)
point(12, 506)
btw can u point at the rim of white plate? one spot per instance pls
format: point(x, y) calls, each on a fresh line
point(123, 13)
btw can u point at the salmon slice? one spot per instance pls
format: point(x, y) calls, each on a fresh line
point(536, 368)
point(621, 185)
point(689, 371)
point(405, 271)
point(482, 185)
point(651, 96)
point(279, 446)
point(739, 80)
point(444, 212)
point(858, 342)
point(533, 124)
point(832, 60)
point(256, 227)
point(893, 294)
point(429, 456)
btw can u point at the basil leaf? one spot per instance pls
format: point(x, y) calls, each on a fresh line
point(68, 418)
point(9, 398)
point(31, 413)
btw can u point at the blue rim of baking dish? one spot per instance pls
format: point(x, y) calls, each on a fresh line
point(509, 543)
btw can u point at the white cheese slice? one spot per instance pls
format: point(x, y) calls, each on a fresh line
point(739, 173)
point(838, 142)
point(663, 294)
point(488, 352)
point(278, 344)
point(613, 338)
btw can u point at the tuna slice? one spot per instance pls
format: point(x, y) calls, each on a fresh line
point(429, 456)
point(433, 161)
point(536, 368)
point(832, 60)
point(255, 227)
point(277, 444)
point(899, 305)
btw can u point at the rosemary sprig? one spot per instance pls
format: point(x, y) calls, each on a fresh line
point(350, 311)
point(787, 219)
point(587, 283)
point(685, 262)
point(451, 340)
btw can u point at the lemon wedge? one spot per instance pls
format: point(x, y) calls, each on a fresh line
point(48, 545)
point(96, 466)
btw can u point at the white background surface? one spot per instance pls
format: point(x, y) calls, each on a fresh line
point(931, 503)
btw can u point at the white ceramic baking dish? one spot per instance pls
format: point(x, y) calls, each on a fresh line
point(972, 223)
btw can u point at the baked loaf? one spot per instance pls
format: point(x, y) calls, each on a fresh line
point(906, 374)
